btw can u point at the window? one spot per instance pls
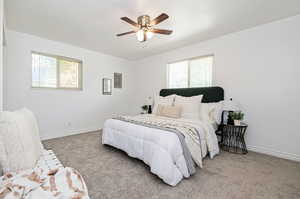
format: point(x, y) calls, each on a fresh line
point(50, 71)
point(195, 72)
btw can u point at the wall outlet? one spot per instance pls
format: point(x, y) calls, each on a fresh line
point(68, 124)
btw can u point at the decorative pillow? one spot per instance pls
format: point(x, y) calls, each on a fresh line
point(169, 111)
point(20, 146)
point(32, 128)
point(211, 112)
point(159, 100)
point(190, 106)
point(159, 109)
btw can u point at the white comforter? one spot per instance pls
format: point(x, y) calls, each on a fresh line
point(161, 150)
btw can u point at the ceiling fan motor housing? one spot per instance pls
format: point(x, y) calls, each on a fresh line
point(144, 21)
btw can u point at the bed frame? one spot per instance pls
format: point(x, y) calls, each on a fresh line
point(210, 94)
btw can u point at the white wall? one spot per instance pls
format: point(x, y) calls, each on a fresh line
point(1, 53)
point(64, 112)
point(260, 69)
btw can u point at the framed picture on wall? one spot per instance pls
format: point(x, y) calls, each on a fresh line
point(106, 86)
point(117, 80)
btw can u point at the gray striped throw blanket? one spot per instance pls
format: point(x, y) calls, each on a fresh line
point(188, 136)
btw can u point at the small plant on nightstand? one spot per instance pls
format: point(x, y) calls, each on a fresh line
point(237, 117)
point(145, 109)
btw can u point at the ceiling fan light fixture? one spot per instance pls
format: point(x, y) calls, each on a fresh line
point(143, 35)
point(140, 35)
point(149, 34)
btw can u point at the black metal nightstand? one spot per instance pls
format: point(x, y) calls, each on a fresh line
point(233, 138)
point(219, 132)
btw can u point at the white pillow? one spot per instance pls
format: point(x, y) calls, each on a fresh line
point(169, 111)
point(159, 100)
point(211, 112)
point(190, 106)
point(20, 146)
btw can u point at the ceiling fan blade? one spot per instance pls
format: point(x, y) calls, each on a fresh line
point(126, 33)
point(159, 19)
point(126, 19)
point(162, 31)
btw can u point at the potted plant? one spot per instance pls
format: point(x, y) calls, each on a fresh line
point(237, 117)
point(144, 109)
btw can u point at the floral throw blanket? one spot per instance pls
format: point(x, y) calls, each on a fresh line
point(60, 183)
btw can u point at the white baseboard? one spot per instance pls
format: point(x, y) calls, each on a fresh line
point(68, 133)
point(275, 153)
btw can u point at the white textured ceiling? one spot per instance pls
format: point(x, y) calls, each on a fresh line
point(92, 24)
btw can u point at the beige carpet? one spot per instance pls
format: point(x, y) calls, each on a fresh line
point(110, 173)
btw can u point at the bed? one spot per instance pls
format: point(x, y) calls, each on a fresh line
point(162, 149)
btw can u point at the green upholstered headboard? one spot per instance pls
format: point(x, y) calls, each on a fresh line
point(210, 94)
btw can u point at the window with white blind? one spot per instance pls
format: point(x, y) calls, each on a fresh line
point(51, 71)
point(195, 72)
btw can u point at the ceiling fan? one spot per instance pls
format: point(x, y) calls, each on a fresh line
point(144, 27)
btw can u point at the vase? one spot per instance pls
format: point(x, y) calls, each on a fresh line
point(237, 122)
point(149, 109)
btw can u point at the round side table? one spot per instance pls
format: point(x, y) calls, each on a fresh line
point(233, 138)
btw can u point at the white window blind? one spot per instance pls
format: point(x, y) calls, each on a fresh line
point(195, 72)
point(50, 71)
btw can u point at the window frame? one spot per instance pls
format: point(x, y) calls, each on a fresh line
point(58, 57)
point(189, 74)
